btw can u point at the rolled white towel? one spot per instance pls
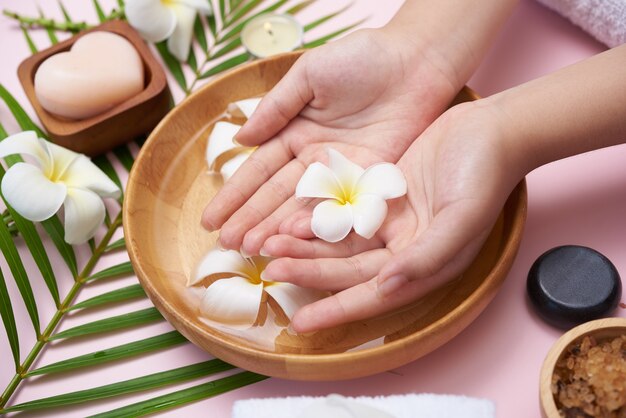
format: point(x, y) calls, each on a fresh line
point(604, 19)
point(398, 406)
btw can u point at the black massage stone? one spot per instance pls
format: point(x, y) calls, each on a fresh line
point(571, 284)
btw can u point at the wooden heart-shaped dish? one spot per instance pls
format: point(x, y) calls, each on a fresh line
point(167, 191)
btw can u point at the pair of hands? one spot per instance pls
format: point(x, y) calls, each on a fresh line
point(363, 97)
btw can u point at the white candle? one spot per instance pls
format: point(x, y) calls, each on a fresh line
point(271, 34)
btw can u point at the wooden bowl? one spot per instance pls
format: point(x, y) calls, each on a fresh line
point(167, 191)
point(124, 122)
point(600, 329)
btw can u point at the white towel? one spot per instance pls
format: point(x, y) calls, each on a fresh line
point(399, 406)
point(604, 19)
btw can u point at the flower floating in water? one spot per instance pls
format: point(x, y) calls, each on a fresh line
point(236, 299)
point(59, 177)
point(223, 154)
point(355, 196)
point(157, 20)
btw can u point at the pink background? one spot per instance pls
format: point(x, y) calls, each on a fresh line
point(580, 200)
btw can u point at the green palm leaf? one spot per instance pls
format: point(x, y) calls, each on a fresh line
point(248, 6)
point(101, 16)
point(29, 41)
point(128, 320)
point(126, 158)
point(51, 35)
point(198, 32)
point(134, 348)
point(324, 39)
point(125, 387)
point(113, 271)
point(9, 250)
point(181, 397)
point(105, 165)
point(118, 295)
point(237, 29)
point(19, 113)
point(8, 319)
point(172, 64)
point(55, 231)
point(226, 65)
point(117, 245)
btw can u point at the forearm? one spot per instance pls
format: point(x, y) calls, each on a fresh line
point(577, 109)
point(452, 34)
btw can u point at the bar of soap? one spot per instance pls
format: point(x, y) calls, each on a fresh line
point(100, 71)
point(572, 284)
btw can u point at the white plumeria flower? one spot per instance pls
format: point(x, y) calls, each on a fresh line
point(356, 197)
point(59, 177)
point(223, 154)
point(157, 20)
point(236, 300)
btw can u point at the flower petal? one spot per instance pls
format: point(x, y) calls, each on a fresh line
point(244, 108)
point(180, 40)
point(202, 6)
point(60, 158)
point(154, 21)
point(347, 172)
point(319, 181)
point(84, 214)
point(369, 212)
point(31, 193)
point(220, 261)
point(221, 141)
point(232, 301)
point(291, 297)
point(232, 165)
point(331, 220)
point(84, 174)
point(385, 180)
point(26, 143)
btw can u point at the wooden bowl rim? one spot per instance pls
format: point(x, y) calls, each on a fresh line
point(548, 406)
point(157, 82)
point(509, 251)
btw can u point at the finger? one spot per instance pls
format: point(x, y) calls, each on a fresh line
point(278, 107)
point(288, 246)
point(253, 240)
point(256, 170)
point(276, 191)
point(442, 251)
point(327, 273)
point(355, 303)
point(299, 223)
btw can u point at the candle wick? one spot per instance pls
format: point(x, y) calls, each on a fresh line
point(268, 28)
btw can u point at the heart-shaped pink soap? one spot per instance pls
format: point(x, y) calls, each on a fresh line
point(100, 71)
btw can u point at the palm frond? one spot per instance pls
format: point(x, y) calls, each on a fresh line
point(133, 291)
point(8, 319)
point(113, 271)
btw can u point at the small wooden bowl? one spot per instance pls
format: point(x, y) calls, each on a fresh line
point(600, 329)
point(167, 191)
point(124, 122)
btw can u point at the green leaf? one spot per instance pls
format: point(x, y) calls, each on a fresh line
point(120, 243)
point(323, 19)
point(146, 345)
point(120, 3)
point(36, 248)
point(125, 387)
point(299, 7)
point(66, 15)
point(29, 41)
point(113, 271)
point(227, 48)
point(222, 8)
point(56, 233)
point(242, 11)
point(130, 292)
point(184, 396)
point(210, 20)
point(191, 60)
point(132, 319)
point(101, 16)
point(105, 165)
point(51, 35)
point(324, 39)
point(198, 31)
point(19, 113)
point(172, 64)
point(228, 64)
point(8, 248)
point(237, 29)
point(126, 158)
point(8, 319)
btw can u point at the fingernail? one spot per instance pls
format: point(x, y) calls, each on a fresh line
point(392, 284)
point(244, 253)
point(263, 252)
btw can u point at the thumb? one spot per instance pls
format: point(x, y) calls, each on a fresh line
point(278, 107)
point(443, 251)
